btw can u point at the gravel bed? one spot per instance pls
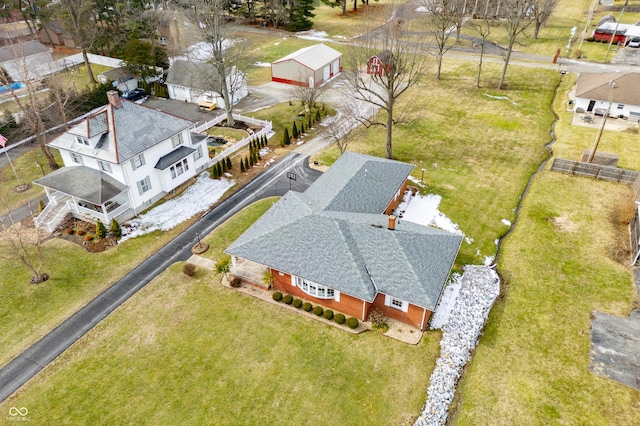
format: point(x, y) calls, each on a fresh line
point(479, 287)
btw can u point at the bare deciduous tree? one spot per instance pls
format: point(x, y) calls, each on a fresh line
point(517, 18)
point(30, 104)
point(78, 18)
point(542, 10)
point(307, 94)
point(228, 56)
point(445, 17)
point(400, 64)
point(23, 244)
point(482, 25)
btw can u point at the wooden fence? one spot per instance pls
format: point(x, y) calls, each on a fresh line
point(612, 174)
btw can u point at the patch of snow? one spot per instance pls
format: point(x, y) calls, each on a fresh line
point(423, 210)
point(299, 142)
point(416, 181)
point(229, 175)
point(479, 287)
point(502, 98)
point(262, 64)
point(313, 35)
point(195, 199)
point(469, 240)
point(339, 37)
point(201, 51)
point(276, 43)
point(506, 222)
point(447, 303)
point(488, 260)
point(422, 9)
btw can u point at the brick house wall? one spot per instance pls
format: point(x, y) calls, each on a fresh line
point(414, 315)
point(396, 199)
point(348, 305)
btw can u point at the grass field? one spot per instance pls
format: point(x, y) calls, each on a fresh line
point(189, 349)
point(477, 147)
point(27, 312)
point(531, 366)
point(27, 169)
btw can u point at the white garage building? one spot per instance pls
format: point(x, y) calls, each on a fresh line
point(311, 66)
point(199, 81)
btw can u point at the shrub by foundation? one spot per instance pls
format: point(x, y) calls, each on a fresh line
point(352, 323)
point(235, 282)
point(307, 306)
point(80, 232)
point(297, 303)
point(328, 314)
point(318, 311)
point(88, 237)
point(339, 318)
point(189, 269)
point(277, 296)
point(288, 299)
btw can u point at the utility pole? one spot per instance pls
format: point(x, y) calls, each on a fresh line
point(598, 135)
point(586, 27)
point(613, 36)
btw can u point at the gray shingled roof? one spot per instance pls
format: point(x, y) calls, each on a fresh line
point(359, 183)
point(82, 182)
point(354, 253)
point(173, 157)
point(197, 75)
point(314, 57)
point(17, 50)
point(621, 88)
point(133, 127)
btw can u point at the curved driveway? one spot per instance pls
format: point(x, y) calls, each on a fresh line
point(272, 182)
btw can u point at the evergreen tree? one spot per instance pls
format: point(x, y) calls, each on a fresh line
point(246, 164)
point(219, 166)
point(229, 165)
point(285, 138)
point(101, 231)
point(224, 165)
point(294, 131)
point(116, 230)
point(318, 116)
point(300, 15)
point(242, 169)
point(301, 128)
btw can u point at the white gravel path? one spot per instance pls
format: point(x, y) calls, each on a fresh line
point(479, 287)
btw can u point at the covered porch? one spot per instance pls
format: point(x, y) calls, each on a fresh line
point(249, 271)
point(87, 194)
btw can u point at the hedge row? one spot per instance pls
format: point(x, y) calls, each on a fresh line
point(317, 310)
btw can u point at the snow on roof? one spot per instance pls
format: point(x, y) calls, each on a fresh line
point(314, 57)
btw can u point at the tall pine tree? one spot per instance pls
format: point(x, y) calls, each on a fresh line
point(300, 15)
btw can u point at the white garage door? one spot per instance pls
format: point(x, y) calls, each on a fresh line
point(327, 73)
point(180, 93)
point(336, 67)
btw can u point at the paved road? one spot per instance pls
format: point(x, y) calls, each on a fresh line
point(272, 182)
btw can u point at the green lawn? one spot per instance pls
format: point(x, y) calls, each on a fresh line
point(191, 349)
point(27, 169)
point(28, 312)
point(531, 366)
point(478, 149)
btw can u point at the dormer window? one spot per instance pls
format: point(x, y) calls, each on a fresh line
point(82, 140)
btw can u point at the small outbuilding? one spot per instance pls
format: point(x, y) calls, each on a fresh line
point(309, 67)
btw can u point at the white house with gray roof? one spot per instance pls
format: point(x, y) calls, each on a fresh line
point(195, 82)
point(119, 161)
point(337, 245)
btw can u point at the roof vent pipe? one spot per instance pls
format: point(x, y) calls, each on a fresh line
point(392, 222)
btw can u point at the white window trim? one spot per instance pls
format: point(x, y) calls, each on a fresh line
point(104, 166)
point(176, 140)
point(139, 157)
point(307, 286)
point(179, 168)
point(141, 184)
point(198, 154)
point(77, 158)
point(388, 301)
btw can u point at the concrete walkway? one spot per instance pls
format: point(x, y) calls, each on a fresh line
point(615, 345)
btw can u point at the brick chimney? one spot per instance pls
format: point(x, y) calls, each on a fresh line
point(392, 222)
point(114, 98)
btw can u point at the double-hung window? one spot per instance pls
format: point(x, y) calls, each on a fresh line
point(179, 168)
point(137, 161)
point(176, 140)
point(77, 158)
point(104, 166)
point(144, 185)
